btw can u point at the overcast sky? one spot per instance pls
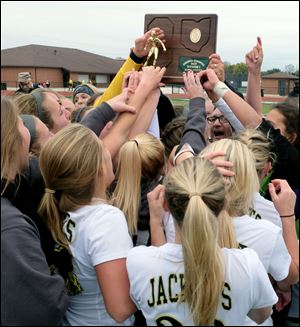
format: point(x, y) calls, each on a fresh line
point(109, 28)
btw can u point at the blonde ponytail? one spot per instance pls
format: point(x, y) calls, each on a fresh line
point(71, 163)
point(127, 195)
point(195, 194)
point(140, 159)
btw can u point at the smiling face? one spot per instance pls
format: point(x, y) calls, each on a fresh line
point(81, 100)
point(218, 129)
point(58, 113)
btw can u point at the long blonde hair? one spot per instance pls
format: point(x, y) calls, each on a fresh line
point(71, 163)
point(11, 142)
point(195, 194)
point(242, 186)
point(258, 143)
point(141, 158)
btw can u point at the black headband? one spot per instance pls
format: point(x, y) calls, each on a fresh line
point(39, 105)
point(82, 89)
point(30, 125)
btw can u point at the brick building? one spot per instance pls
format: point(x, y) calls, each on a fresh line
point(278, 83)
point(57, 65)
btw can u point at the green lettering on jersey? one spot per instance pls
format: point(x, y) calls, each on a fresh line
point(172, 299)
point(166, 320)
point(151, 304)
point(161, 295)
point(226, 306)
point(253, 213)
point(242, 246)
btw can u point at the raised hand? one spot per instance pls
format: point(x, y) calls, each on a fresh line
point(208, 78)
point(141, 48)
point(156, 202)
point(254, 58)
point(283, 197)
point(119, 102)
point(224, 166)
point(151, 76)
point(216, 63)
point(192, 85)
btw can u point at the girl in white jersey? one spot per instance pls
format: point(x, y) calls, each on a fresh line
point(280, 260)
point(77, 170)
point(260, 147)
point(193, 281)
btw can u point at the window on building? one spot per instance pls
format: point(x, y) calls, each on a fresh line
point(83, 77)
point(101, 79)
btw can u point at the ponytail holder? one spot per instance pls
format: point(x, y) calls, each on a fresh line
point(48, 190)
point(136, 142)
point(194, 194)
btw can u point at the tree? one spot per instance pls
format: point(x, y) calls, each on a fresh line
point(271, 71)
point(240, 69)
point(290, 69)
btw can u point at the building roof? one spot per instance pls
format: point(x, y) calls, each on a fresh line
point(280, 75)
point(73, 60)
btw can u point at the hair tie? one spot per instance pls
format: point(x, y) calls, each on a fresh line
point(194, 194)
point(48, 190)
point(136, 142)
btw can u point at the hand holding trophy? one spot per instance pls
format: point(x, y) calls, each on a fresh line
point(153, 40)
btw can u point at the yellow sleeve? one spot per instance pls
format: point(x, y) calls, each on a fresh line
point(115, 87)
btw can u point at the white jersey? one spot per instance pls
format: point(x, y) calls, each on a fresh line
point(169, 227)
point(156, 276)
point(267, 240)
point(98, 233)
point(265, 209)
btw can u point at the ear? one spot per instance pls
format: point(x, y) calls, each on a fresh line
point(292, 137)
point(267, 168)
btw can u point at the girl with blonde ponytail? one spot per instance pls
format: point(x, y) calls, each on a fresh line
point(77, 170)
point(140, 166)
point(267, 239)
point(194, 281)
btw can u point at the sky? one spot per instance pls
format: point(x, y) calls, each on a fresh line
point(109, 28)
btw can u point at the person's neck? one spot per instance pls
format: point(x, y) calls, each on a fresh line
point(177, 234)
point(100, 195)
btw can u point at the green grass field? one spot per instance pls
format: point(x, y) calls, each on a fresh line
point(183, 103)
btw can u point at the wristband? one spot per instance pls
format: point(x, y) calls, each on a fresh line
point(183, 149)
point(287, 216)
point(220, 89)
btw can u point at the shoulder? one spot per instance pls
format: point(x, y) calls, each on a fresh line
point(140, 250)
point(105, 215)
point(255, 224)
point(141, 257)
point(246, 258)
point(11, 217)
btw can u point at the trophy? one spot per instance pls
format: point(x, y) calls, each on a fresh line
point(190, 40)
point(153, 40)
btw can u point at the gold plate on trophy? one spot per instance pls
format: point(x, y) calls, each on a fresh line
point(195, 35)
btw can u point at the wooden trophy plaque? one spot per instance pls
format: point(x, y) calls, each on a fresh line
point(190, 40)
